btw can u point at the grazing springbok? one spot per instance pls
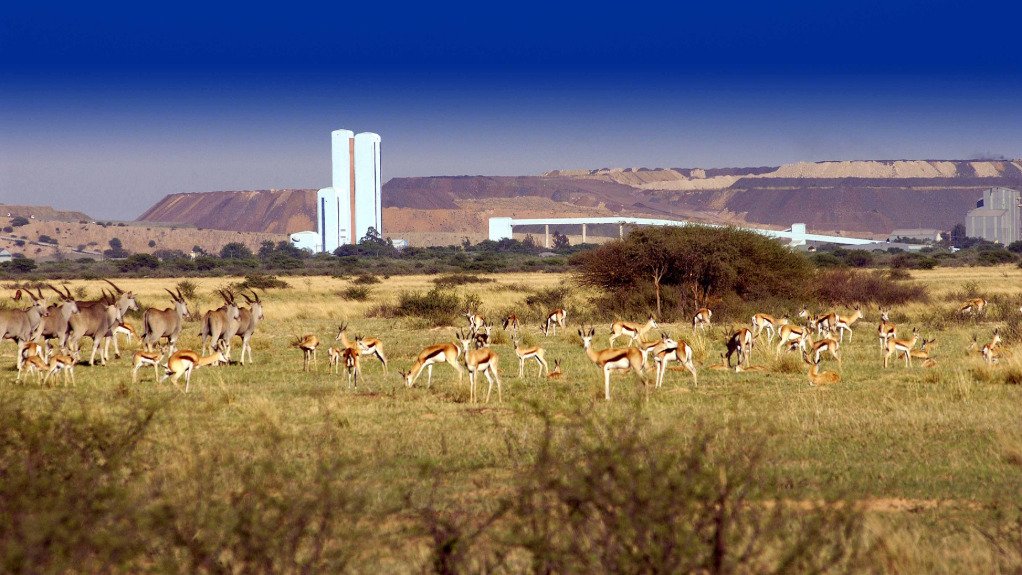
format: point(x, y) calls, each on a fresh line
point(826, 345)
point(363, 345)
point(97, 321)
point(816, 377)
point(248, 320)
point(902, 347)
point(740, 342)
point(57, 323)
point(308, 344)
point(220, 325)
point(440, 353)
point(558, 317)
point(886, 330)
point(762, 322)
point(23, 325)
point(32, 364)
point(974, 306)
point(143, 358)
point(633, 331)
point(64, 363)
point(680, 352)
point(793, 336)
point(531, 352)
point(702, 318)
point(165, 323)
point(127, 329)
point(612, 359)
point(185, 361)
point(480, 360)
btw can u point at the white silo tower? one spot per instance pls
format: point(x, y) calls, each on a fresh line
point(368, 197)
point(342, 151)
point(326, 220)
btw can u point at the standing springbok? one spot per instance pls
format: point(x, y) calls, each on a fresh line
point(65, 363)
point(826, 345)
point(475, 321)
point(902, 346)
point(763, 322)
point(792, 335)
point(558, 317)
point(165, 323)
point(511, 324)
point(740, 342)
point(702, 318)
point(440, 353)
point(843, 323)
point(633, 331)
point(350, 357)
point(23, 325)
point(32, 364)
point(142, 358)
point(56, 324)
point(612, 359)
point(531, 352)
point(886, 330)
point(654, 347)
point(680, 352)
point(185, 361)
point(308, 343)
point(363, 345)
point(480, 360)
point(219, 325)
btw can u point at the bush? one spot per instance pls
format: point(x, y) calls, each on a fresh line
point(138, 262)
point(437, 307)
point(262, 282)
point(45, 239)
point(235, 251)
point(356, 293)
point(455, 280)
point(187, 288)
point(366, 279)
point(18, 221)
point(846, 287)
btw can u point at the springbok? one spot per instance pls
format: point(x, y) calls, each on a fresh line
point(740, 342)
point(991, 352)
point(185, 361)
point(762, 322)
point(350, 357)
point(440, 353)
point(974, 306)
point(633, 331)
point(32, 364)
point(654, 347)
point(925, 353)
point(843, 323)
point(826, 345)
point(308, 344)
point(702, 318)
point(480, 360)
point(248, 320)
point(531, 352)
point(475, 322)
point(335, 355)
point(58, 320)
point(680, 352)
point(612, 359)
point(556, 372)
point(31, 348)
point(886, 330)
point(23, 325)
point(165, 323)
point(792, 335)
point(902, 347)
point(220, 325)
point(816, 377)
point(142, 358)
point(63, 363)
point(511, 324)
point(558, 317)
point(363, 345)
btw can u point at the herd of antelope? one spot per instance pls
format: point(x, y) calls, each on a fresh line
point(49, 338)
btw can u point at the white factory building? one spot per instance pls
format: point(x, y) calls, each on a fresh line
point(353, 203)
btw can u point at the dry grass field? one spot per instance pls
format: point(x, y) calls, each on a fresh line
point(931, 457)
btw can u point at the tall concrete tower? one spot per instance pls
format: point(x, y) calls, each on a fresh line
point(368, 197)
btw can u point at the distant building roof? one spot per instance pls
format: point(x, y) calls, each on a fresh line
point(986, 213)
point(916, 232)
point(4, 252)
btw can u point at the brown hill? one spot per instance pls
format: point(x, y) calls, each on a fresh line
point(271, 211)
point(42, 213)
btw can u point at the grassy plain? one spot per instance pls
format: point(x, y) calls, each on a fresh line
point(931, 455)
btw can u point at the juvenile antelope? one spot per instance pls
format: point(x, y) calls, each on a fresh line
point(793, 336)
point(766, 323)
point(434, 354)
point(308, 343)
point(185, 361)
point(531, 352)
point(64, 363)
point(816, 377)
point(886, 330)
point(32, 364)
point(902, 347)
point(335, 355)
point(558, 317)
point(165, 323)
point(632, 331)
point(480, 360)
point(556, 372)
point(612, 359)
point(843, 323)
point(991, 352)
point(973, 307)
point(740, 342)
point(363, 345)
point(702, 318)
point(143, 358)
point(680, 352)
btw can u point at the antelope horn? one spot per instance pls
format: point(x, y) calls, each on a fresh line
point(40, 291)
point(172, 296)
point(119, 290)
point(59, 293)
point(180, 297)
point(68, 290)
point(255, 295)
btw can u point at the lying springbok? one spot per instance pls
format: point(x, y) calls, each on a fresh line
point(165, 323)
point(57, 323)
point(219, 325)
point(248, 320)
point(23, 325)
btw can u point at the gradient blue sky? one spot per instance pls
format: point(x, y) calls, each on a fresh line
point(107, 110)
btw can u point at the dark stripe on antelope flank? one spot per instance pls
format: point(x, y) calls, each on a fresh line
point(434, 355)
point(618, 356)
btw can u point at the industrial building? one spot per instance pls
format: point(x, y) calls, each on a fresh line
point(353, 203)
point(996, 217)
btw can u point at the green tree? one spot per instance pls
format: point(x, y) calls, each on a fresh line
point(18, 221)
point(561, 241)
point(235, 251)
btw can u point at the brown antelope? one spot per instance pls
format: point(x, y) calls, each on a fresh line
point(93, 317)
point(363, 345)
point(556, 372)
point(481, 338)
point(127, 330)
point(185, 361)
point(56, 324)
point(973, 307)
point(632, 331)
point(531, 352)
point(63, 363)
point(350, 357)
point(991, 352)
point(654, 347)
point(142, 358)
point(30, 348)
point(475, 322)
point(611, 359)
point(740, 342)
point(826, 345)
point(480, 360)
point(924, 353)
point(816, 377)
point(308, 344)
point(440, 353)
point(23, 325)
point(702, 318)
point(902, 347)
point(558, 317)
point(793, 336)
point(886, 330)
point(819, 323)
point(335, 355)
point(680, 352)
point(165, 323)
point(220, 325)
point(32, 364)
point(762, 322)
point(842, 323)
point(511, 324)
point(248, 320)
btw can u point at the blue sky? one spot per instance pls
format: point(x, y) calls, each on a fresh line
point(108, 110)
